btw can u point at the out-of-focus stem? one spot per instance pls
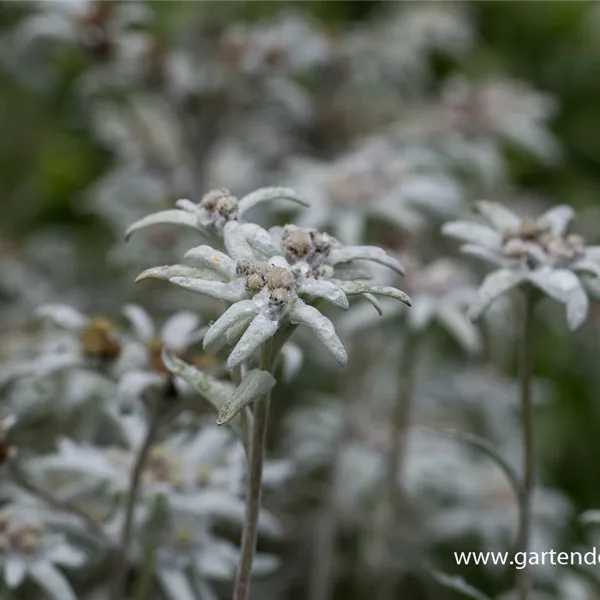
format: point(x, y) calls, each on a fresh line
point(121, 563)
point(399, 429)
point(524, 576)
point(49, 498)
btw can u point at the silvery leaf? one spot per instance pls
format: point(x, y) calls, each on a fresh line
point(180, 330)
point(165, 217)
point(214, 289)
point(593, 253)
point(62, 315)
point(267, 194)
point(54, 583)
point(255, 384)
point(234, 333)
point(260, 240)
point(66, 555)
point(319, 288)
point(458, 584)
point(372, 300)
point(559, 218)
point(352, 288)
point(140, 321)
point(500, 217)
point(460, 327)
point(564, 286)
point(587, 267)
point(168, 271)
point(422, 312)
point(188, 206)
point(291, 361)
point(485, 254)
point(372, 253)
point(265, 564)
point(212, 389)
point(235, 242)
point(473, 233)
point(260, 330)
point(303, 314)
point(217, 503)
point(494, 285)
point(212, 259)
point(590, 517)
point(235, 313)
point(14, 571)
point(175, 584)
point(133, 384)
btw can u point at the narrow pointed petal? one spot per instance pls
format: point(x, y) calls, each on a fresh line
point(235, 242)
point(318, 288)
point(62, 315)
point(215, 289)
point(168, 271)
point(233, 315)
point(587, 266)
point(188, 206)
point(215, 391)
point(260, 240)
point(254, 385)
point(303, 314)
point(593, 253)
point(164, 217)
point(494, 285)
point(565, 287)
point(373, 253)
point(352, 288)
point(180, 330)
point(212, 259)
point(489, 256)
point(559, 218)
point(372, 299)
point(267, 194)
point(259, 331)
point(461, 328)
point(140, 321)
point(500, 217)
point(473, 233)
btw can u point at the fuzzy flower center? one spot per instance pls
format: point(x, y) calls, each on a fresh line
point(16, 538)
point(517, 242)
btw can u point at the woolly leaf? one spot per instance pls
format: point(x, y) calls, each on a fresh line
point(255, 384)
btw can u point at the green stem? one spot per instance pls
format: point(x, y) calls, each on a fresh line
point(254, 484)
point(121, 563)
point(524, 576)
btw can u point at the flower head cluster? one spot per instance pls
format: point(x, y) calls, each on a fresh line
point(30, 550)
point(540, 252)
point(380, 180)
point(270, 277)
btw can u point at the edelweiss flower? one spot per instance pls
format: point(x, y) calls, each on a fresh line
point(398, 185)
point(441, 293)
point(28, 550)
point(216, 209)
point(266, 288)
point(539, 252)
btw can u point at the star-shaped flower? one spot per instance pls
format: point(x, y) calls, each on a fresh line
point(540, 252)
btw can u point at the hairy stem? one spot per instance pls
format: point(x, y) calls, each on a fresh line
point(120, 569)
point(254, 484)
point(399, 429)
point(62, 505)
point(524, 576)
